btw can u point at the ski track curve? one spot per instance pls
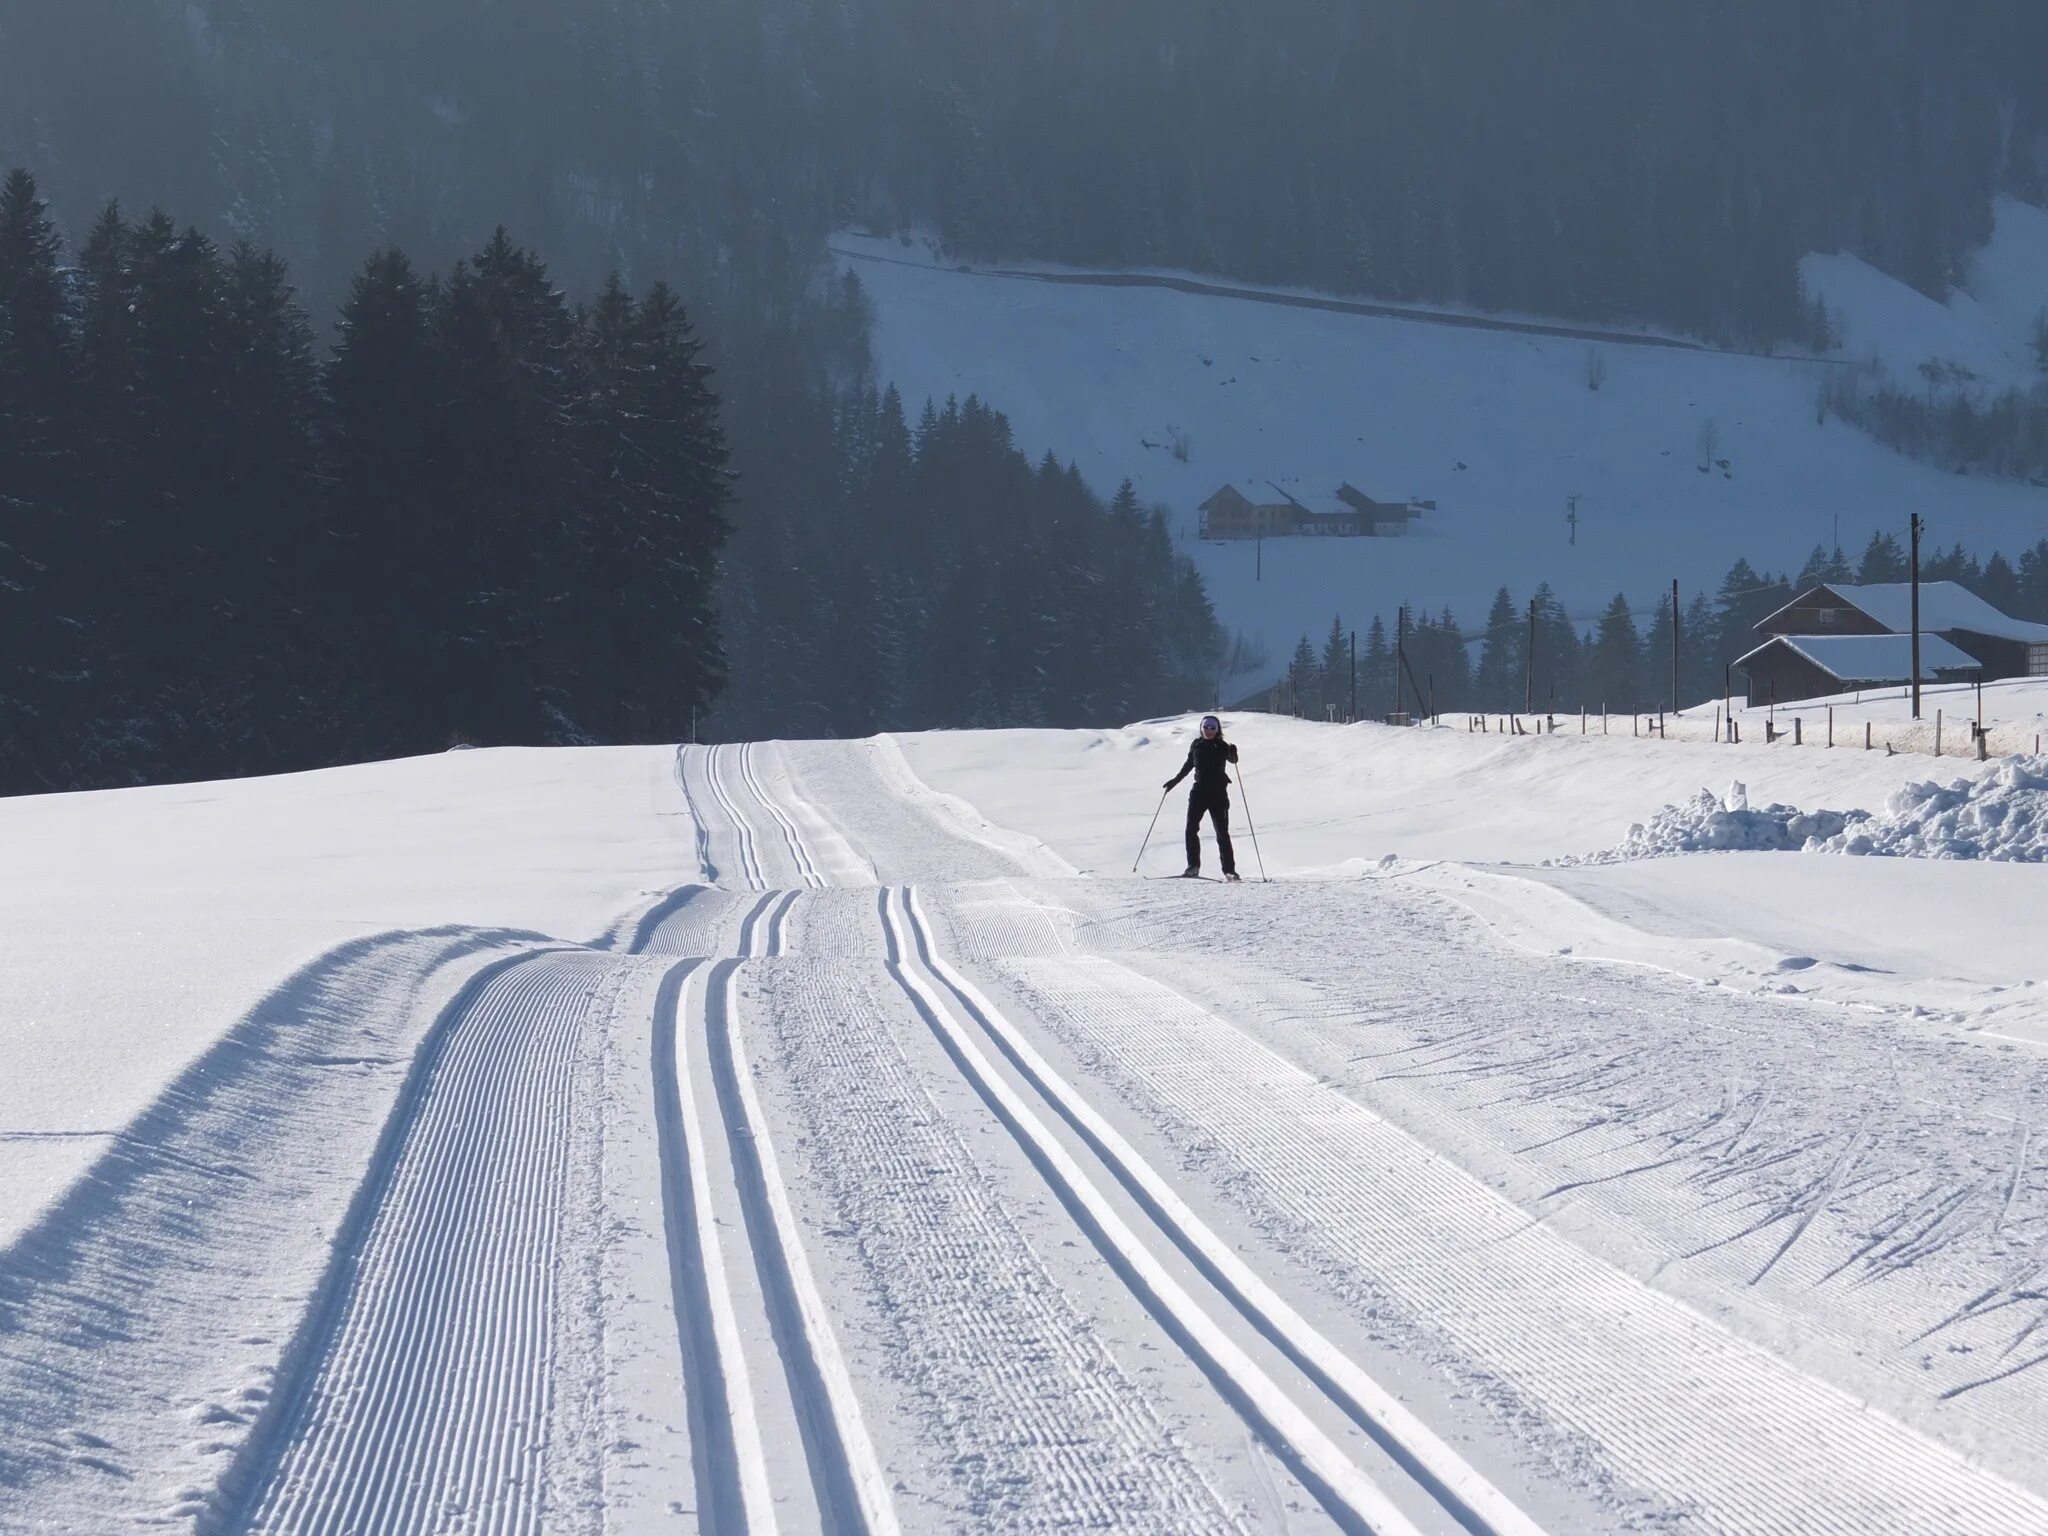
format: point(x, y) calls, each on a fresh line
point(428, 1407)
point(1751, 1444)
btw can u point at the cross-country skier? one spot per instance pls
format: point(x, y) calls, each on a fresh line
point(1207, 754)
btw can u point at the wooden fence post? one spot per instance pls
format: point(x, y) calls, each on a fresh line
point(1937, 733)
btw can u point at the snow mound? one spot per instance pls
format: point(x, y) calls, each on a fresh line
point(2003, 815)
point(1723, 823)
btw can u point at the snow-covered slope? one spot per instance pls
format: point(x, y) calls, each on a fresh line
point(1987, 327)
point(1498, 428)
point(834, 1135)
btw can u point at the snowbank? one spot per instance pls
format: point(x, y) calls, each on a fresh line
point(2003, 815)
point(1718, 824)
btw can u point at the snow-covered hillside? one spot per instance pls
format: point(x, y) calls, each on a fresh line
point(839, 1135)
point(1682, 461)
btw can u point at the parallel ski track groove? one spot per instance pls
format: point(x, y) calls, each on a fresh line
point(853, 1492)
point(743, 830)
point(1051, 1409)
point(430, 1402)
point(1352, 1498)
point(730, 1468)
point(799, 853)
point(1322, 1162)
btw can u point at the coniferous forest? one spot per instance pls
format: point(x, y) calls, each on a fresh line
point(1618, 659)
point(1589, 158)
point(484, 514)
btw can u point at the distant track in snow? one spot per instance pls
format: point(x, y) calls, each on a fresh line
point(1330, 305)
point(852, 1492)
point(1350, 1495)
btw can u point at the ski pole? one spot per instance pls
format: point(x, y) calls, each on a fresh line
point(1148, 830)
point(1251, 826)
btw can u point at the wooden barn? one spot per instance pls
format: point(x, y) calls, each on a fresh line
point(1836, 637)
point(1786, 668)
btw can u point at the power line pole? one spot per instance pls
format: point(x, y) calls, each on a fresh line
point(1918, 526)
point(1354, 673)
point(1674, 645)
point(1529, 665)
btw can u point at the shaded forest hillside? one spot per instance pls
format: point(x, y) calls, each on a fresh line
point(1595, 158)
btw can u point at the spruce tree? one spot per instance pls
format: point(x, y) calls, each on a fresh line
point(39, 547)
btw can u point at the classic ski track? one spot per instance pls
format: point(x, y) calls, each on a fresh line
point(430, 1401)
point(1549, 1318)
point(799, 852)
point(733, 1482)
point(1351, 1497)
point(853, 1492)
point(742, 829)
point(1053, 1432)
point(852, 1489)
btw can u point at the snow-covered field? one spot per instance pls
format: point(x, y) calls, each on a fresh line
point(1498, 428)
point(841, 1135)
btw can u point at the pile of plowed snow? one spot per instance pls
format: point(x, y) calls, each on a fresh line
point(2003, 815)
point(1723, 824)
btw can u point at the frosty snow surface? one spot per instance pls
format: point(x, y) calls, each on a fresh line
point(794, 1135)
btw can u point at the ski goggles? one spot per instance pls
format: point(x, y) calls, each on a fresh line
point(1211, 723)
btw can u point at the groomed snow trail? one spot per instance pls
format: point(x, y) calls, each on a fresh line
point(886, 1179)
point(1671, 1401)
point(429, 1406)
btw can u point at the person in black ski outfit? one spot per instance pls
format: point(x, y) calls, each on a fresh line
point(1207, 754)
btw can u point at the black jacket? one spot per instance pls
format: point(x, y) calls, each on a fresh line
point(1206, 758)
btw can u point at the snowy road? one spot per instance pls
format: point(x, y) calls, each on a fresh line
point(882, 1175)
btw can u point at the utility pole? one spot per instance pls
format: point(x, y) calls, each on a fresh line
point(1674, 645)
point(1354, 673)
point(1918, 526)
point(1529, 660)
point(1571, 516)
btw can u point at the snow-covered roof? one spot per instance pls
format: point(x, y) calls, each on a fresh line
point(1944, 606)
point(1873, 658)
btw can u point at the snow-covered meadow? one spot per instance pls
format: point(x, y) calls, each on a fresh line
point(807, 1134)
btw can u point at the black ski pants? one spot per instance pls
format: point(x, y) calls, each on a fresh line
point(1216, 804)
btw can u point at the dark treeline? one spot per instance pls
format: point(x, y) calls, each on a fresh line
point(930, 575)
point(1596, 158)
point(482, 516)
point(485, 515)
point(1619, 659)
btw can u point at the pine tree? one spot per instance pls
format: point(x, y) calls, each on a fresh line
point(1303, 679)
point(1333, 672)
point(1376, 672)
point(391, 541)
point(1883, 561)
point(1613, 664)
point(1498, 679)
point(39, 664)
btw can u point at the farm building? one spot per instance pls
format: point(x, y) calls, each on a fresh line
point(1837, 637)
point(1346, 512)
